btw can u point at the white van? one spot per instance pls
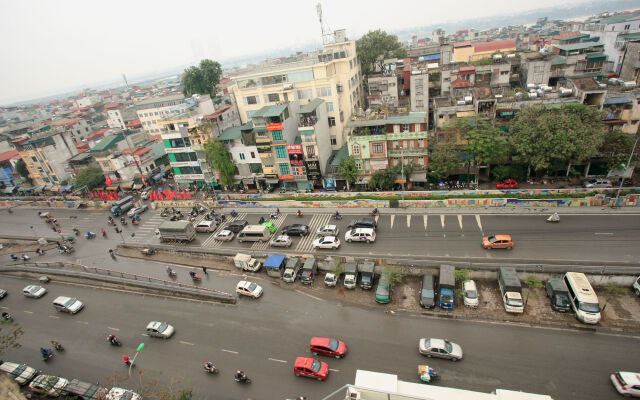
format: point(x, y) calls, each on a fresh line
point(21, 373)
point(67, 304)
point(254, 233)
point(360, 235)
point(205, 226)
point(582, 297)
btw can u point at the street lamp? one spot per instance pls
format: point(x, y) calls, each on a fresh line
point(623, 166)
point(33, 231)
point(138, 350)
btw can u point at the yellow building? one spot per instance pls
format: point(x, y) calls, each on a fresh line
point(465, 52)
point(462, 52)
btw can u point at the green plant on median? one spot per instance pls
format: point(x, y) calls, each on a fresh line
point(614, 289)
point(395, 275)
point(533, 282)
point(460, 275)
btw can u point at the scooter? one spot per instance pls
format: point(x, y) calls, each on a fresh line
point(76, 231)
point(91, 235)
point(299, 213)
point(46, 354)
point(14, 257)
point(7, 317)
point(245, 379)
point(194, 276)
point(337, 217)
point(25, 257)
point(57, 345)
point(374, 212)
point(114, 342)
point(211, 370)
point(552, 219)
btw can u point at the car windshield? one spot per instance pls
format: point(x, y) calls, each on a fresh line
point(162, 327)
point(448, 346)
point(333, 345)
point(562, 300)
point(491, 239)
point(514, 302)
point(69, 302)
point(471, 294)
point(253, 286)
point(446, 298)
point(590, 307)
point(428, 293)
point(315, 366)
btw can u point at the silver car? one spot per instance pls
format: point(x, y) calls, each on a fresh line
point(440, 348)
point(34, 291)
point(137, 210)
point(281, 241)
point(328, 230)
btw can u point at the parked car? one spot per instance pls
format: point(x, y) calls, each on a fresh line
point(427, 292)
point(328, 230)
point(3, 293)
point(224, 235)
point(296, 230)
point(281, 241)
point(34, 291)
point(48, 385)
point(236, 226)
point(383, 290)
point(366, 222)
point(507, 184)
point(311, 368)
point(598, 183)
point(360, 235)
point(327, 347)
point(250, 289)
point(626, 383)
point(326, 242)
point(440, 348)
point(137, 210)
point(497, 242)
point(159, 329)
point(21, 373)
point(470, 296)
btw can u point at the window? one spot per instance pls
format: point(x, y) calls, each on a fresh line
point(248, 100)
point(395, 144)
point(359, 165)
point(405, 127)
point(341, 116)
point(334, 141)
point(421, 143)
point(503, 73)
point(271, 97)
point(323, 91)
point(284, 169)
point(253, 154)
point(355, 149)
point(86, 129)
point(277, 135)
point(329, 106)
point(420, 160)
point(377, 148)
point(156, 113)
point(281, 151)
point(305, 94)
point(311, 151)
point(241, 156)
point(332, 121)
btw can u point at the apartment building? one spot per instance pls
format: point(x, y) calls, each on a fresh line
point(332, 74)
point(156, 109)
point(76, 128)
point(118, 115)
point(630, 67)
point(315, 142)
point(383, 89)
point(45, 156)
point(241, 144)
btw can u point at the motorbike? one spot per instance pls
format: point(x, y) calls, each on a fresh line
point(7, 317)
point(114, 341)
point(104, 233)
point(39, 252)
point(171, 272)
point(127, 361)
point(211, 370)
point(14, 257)
point(194, 276)
point(164, 213)
point(134, 222)
point(76, 231)
point(147, 252)
point(124, 222)
point(243, 379)
point(299, 213)
point(554, 218)
point(374, 212)
point(25, 257)
point(46, 354)
point(337, 217)
point(427, 374)
point(57, 345)
point(91, 235)
point(234, 213)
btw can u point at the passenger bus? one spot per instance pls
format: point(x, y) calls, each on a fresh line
point(582, 297)
point(122, 205)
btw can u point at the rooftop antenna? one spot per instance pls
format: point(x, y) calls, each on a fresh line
point(125, 80)
point(324, 27)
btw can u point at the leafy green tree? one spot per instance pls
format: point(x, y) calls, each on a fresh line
point(395, 275)
point(545, 137)
point(90, 177)
point(383, 178)
point(202, 79)
point(348, 170)
point(21, 167)
point(616, 148)
point(375, 46)
point(218, 156)
point(444, 160)
point(408, 170)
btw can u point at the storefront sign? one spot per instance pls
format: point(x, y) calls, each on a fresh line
point(313, 170)
point(188, 177)
point(271, 176)
point(329, 183)
point(185, 164)
point(179, 150)
point(294, 149)
point(263, 148)
point(377, 165)
point(274, 127)
point(285, 177)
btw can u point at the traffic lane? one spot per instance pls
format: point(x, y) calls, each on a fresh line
point(625, 225)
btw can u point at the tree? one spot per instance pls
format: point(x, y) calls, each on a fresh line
point(444, 160)
point(202, 79)
point(547, 137)
point(10, 332)
point(395, 275)
point(218, 156)
point(616, 148)
point(408, 170)
point(374, 47)
point(384, 178)
point(349, 171)
point(21, 167)
point(90, 177)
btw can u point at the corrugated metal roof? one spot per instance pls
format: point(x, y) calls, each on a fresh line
point(310, 106)
point(616, 100)
point(270, 111)
point(107, 143)
point(412, 118)
point(558, 60)
point(578, 46)
point(594, 55)
point(231, 133)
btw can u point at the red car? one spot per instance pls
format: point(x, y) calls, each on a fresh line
point(327, 347)
point(311, 368)
point(507, 184)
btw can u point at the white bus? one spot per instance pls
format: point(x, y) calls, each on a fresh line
point(583, 298)
point(254, 233)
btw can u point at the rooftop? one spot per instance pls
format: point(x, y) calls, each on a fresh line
point(310, 106)
point(153, 100)
point(107, 143)
point(67, 122)
point(235, 132)
point(578, 46)
point(217, 113)
point(493, 46)
point(270, 111)
point(376, 119)
point(9, 155)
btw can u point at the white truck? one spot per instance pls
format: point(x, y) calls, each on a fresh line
point(291, 270)
point(246, 262)
point(511, 290)
point(350, 275)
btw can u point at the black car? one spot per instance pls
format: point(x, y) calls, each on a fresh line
point(236, 226)
point(296, 230)
point(366, 222)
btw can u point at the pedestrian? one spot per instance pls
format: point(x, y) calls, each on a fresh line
point(204, 269)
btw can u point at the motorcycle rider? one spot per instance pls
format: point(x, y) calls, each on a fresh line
point(46, 353)
point(56, 345)
point(298, 213)
point(111, 252)
point(25, 257)
point(170, 271)
point(127, 360)
point(337, 215)
point(112, 339)
point(555, 217)
point(209, 367)
point(6, 316)
point(14, 257)
point(240, 376)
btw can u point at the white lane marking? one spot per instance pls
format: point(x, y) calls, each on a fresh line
point(307, 294)
point(144, 334)
point(187, 343)
point(478, 222)
point(82, 322)
point(425, 218)
point(229, 351)
point(408, 220)
point(334, 370)
point(442, 220)
point(377, 217)
point(28, 312)
point(460, 220)
point(54, 316)
point(276, 360)
point(393, 217)
point(113, 329)
point(604, 233)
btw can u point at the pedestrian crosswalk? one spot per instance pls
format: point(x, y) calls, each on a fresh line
point(211, 241)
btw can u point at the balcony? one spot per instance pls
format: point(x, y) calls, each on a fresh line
point(307, 120)
point(407, 152)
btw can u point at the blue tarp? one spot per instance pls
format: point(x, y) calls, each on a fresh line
point(274, 261)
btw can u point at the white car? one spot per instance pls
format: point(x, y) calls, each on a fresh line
point(326, 242)
point(440, 348)
point(159, 329)
point(34, 291)
point(626, 383)
point(366, 235)
point(137, 210)
point(328, 230)
point(48, 385)
point(224, 235)
point(281, 241)
point(145, 195)
point(470, 294)
point(248, 288)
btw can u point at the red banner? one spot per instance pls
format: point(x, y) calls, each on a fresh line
point(274, 127)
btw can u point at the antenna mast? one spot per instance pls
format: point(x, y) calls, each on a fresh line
point(326, 31)
point(125, 80)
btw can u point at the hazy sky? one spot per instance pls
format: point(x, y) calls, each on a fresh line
point(55, 45)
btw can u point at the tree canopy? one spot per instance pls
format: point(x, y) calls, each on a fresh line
point(616, 148)
point(202, 79)
point(348, 170)
point(544, 137)
point(383, 178)
point(375, 45)
point(444, 160)
point(21, 167)
point(218, 156)
point(90, 177)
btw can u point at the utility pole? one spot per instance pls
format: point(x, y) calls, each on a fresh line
point(126, 137)
point(615, 203)
point(402, 169)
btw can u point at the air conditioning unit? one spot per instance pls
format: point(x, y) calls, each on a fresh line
point(511, 56)
point(288, 86)
point(339, 87)
point(468, 99)
point(498, 96)
point(497, 57)
point(629, 84)
point(353, 394)
point(531, 86)
point(461, 102)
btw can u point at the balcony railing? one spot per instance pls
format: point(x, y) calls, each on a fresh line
point(307, 120)
point(408, 152)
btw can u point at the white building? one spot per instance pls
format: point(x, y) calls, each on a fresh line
point(157, 109)
point(608, 29)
